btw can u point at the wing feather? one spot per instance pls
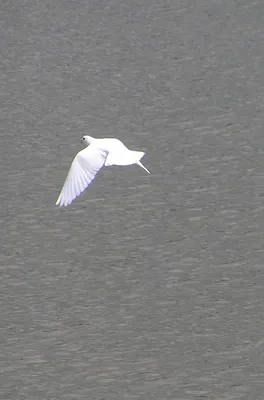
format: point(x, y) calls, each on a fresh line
point(82, 181)
point(83, 170)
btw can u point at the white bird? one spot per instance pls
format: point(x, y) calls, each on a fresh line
point(86, 164)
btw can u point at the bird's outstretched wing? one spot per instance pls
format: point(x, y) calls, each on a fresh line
point(84, 167)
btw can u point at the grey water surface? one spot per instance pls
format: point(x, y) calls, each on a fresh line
point(148, 286)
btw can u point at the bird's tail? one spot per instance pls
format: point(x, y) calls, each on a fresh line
point(141, 154)
point(142, 166)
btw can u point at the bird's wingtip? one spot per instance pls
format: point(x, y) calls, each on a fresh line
point(58, 200)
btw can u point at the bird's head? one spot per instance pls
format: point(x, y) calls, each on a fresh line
point(87, 140)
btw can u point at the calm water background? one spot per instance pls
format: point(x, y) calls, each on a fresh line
point(148, 286)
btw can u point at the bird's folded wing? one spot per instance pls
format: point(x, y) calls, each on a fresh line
point(84, 167)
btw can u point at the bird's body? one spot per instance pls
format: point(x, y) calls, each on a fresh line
point(86, 164)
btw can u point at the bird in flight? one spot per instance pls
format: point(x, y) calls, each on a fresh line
point(86, 164)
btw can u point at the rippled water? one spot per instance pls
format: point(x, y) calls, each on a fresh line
point(149, 286)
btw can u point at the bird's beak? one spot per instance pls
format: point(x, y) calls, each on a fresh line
point(82, 140)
